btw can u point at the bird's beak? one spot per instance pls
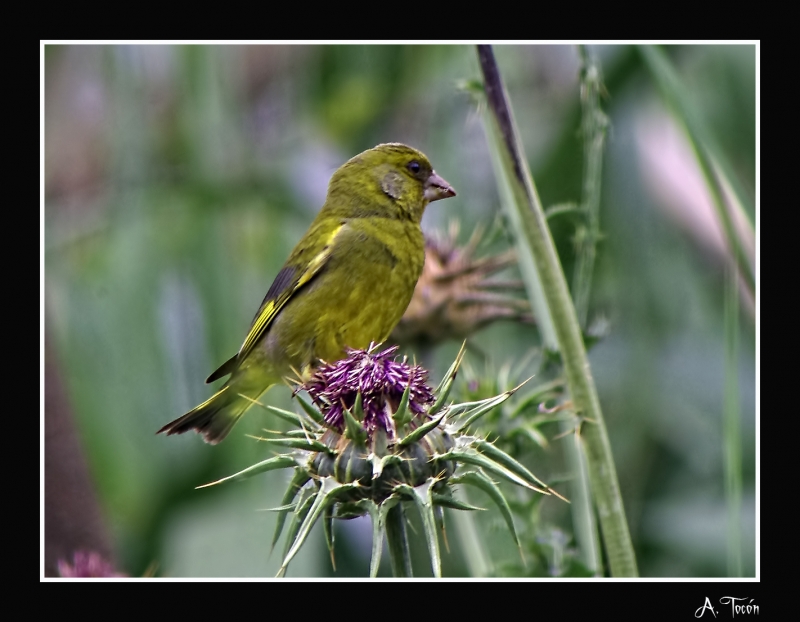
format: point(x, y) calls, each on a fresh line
point(437, 188)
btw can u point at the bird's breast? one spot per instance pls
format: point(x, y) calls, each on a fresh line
point(357, 298)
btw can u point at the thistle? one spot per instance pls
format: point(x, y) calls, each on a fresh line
point(376, 439)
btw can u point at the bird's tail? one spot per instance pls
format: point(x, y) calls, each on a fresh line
point(214, 418)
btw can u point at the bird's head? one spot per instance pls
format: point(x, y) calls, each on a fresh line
point(391, 176)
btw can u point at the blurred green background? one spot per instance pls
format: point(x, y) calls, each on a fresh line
point(178, 179)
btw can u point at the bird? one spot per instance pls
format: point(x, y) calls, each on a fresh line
point(344, 286)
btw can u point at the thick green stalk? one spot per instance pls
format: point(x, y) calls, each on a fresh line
point(397, 539)
point(536, 236)
point(731, 427)
point(525, 259)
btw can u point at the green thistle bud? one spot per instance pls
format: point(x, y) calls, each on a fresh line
point(378, 438)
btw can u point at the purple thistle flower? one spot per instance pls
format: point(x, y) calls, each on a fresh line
point(87, 564)
point(381, 382)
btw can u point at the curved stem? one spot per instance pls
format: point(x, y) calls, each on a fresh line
point(537, 238)
point(712, 163)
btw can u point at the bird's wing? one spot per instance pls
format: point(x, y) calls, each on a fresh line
point(279, 292)
point(303, 265)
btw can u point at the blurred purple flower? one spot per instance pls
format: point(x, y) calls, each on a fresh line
point(87, 564)
point(381, 382)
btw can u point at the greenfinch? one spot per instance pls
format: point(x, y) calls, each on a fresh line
point(346, 283)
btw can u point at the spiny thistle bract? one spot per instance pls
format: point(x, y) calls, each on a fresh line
point(376, 438)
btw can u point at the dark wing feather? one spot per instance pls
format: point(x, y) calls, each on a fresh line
point(303, 264)
point(281, 283)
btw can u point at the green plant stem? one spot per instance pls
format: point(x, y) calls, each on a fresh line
point(580, 496)
point(731, 431)
point(471, 543)
point(536, 236)
point(593, 124)
point(525, 259)
point(710, 159)
point(397, 539)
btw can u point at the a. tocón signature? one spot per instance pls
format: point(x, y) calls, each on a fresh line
point(738, 606)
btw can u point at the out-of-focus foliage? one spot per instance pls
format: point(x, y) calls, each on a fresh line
point(178, 179)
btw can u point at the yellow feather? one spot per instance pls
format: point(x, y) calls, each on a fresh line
point(271, 309)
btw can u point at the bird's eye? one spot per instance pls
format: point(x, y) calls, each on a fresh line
point(413, 166)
